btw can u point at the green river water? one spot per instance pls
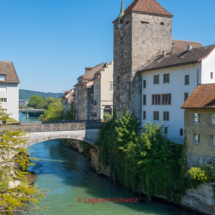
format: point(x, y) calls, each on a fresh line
point(68, 176)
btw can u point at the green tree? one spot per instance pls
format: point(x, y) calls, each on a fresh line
point(36, 102)
point(70, 114)
point(15, 192)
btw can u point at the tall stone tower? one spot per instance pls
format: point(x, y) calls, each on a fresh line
point(141, 32)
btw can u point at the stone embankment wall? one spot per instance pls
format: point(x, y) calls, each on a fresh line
point(201, 200)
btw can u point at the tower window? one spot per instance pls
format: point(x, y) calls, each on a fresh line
point(118, 79)
point(212, 75)
point(162, 23)
point(144, 22)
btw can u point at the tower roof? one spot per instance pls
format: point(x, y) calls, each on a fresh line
point(147, 6)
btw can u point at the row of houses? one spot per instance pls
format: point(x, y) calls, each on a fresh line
point(93, 94)
point(156, 78)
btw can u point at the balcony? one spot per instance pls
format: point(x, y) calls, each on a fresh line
point(94, 102)
point(94, 114)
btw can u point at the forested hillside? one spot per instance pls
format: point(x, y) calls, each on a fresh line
point(26, 94)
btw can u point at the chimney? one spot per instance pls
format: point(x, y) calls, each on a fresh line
point(189, 48)
point(87, 69)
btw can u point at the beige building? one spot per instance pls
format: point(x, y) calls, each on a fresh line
point(91, 100)
point(103, 92)
point(68, 99)
point(199, 121)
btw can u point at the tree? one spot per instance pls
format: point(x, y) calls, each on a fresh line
point(15, 192)
point(36, 102)
point(70, 114)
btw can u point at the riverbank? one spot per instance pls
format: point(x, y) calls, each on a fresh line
point(200, 200)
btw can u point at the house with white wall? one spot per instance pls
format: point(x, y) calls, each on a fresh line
point(168, 80)
point(9, 89)
point(103, 92)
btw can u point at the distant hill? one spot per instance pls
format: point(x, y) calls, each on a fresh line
point(26, 94)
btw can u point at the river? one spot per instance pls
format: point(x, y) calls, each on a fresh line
point(68, 176)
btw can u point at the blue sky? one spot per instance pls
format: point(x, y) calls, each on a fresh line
point(51, 41)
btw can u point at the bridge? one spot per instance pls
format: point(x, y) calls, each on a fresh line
point(27, 111)
point(42, 131)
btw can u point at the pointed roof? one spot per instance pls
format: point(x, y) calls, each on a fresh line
point(122, 10)
point(147, 6)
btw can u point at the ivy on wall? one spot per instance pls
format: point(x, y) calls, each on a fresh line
point(146, 160)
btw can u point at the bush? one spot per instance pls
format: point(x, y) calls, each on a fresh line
point(201, 174)
point(148, 159)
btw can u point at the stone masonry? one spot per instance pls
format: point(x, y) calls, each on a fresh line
point(144, 36)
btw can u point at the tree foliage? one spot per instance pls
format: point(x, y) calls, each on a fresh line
point(36, 102)
point(148, 160)
point(15, 192)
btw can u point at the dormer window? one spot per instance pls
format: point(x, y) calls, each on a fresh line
point(2, 77)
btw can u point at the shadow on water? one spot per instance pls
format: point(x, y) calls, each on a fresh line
point(73, 172)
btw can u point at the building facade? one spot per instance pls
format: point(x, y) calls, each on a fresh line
point(103, 92)
point(93, 93)
point(140, 33)
point(68, 99)
point(199, 121)
point(9, 89)
point(168, 80)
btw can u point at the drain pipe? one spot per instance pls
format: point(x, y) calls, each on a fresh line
point(197, 74)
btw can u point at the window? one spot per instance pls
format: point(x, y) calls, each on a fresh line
point(212, 75)
point(2, 77)
point(156, 79)
point(83, 109)
point(111, 85)
point(166, 78)
point(3, 89)
point(144, 22)
point(144, 84)
point(144, 114)
point(165, 130)
point(196, 118)
point(118, 79)
point(144, 99)
point(212, 119)
point(196, 138)
point(156, 99)
point(162, 23)
point(111, 97)
point(186, 95)
point(165, 116)
point(166, 99)
point(181, 132)
point(3, 100)
point(156, 115)
point(187, 79)
point(212, 140)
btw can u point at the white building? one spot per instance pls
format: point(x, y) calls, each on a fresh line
point(9, 89)
point(168, 80)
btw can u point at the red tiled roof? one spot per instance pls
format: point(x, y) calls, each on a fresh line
point(147, 6)
point(181, 45)
point(202, 97)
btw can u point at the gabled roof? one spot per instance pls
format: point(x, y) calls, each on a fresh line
point(147, 6)
point(7, 69)
point(196, 55)
point(89, 75)
point(181, 45)
point(202, 97)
